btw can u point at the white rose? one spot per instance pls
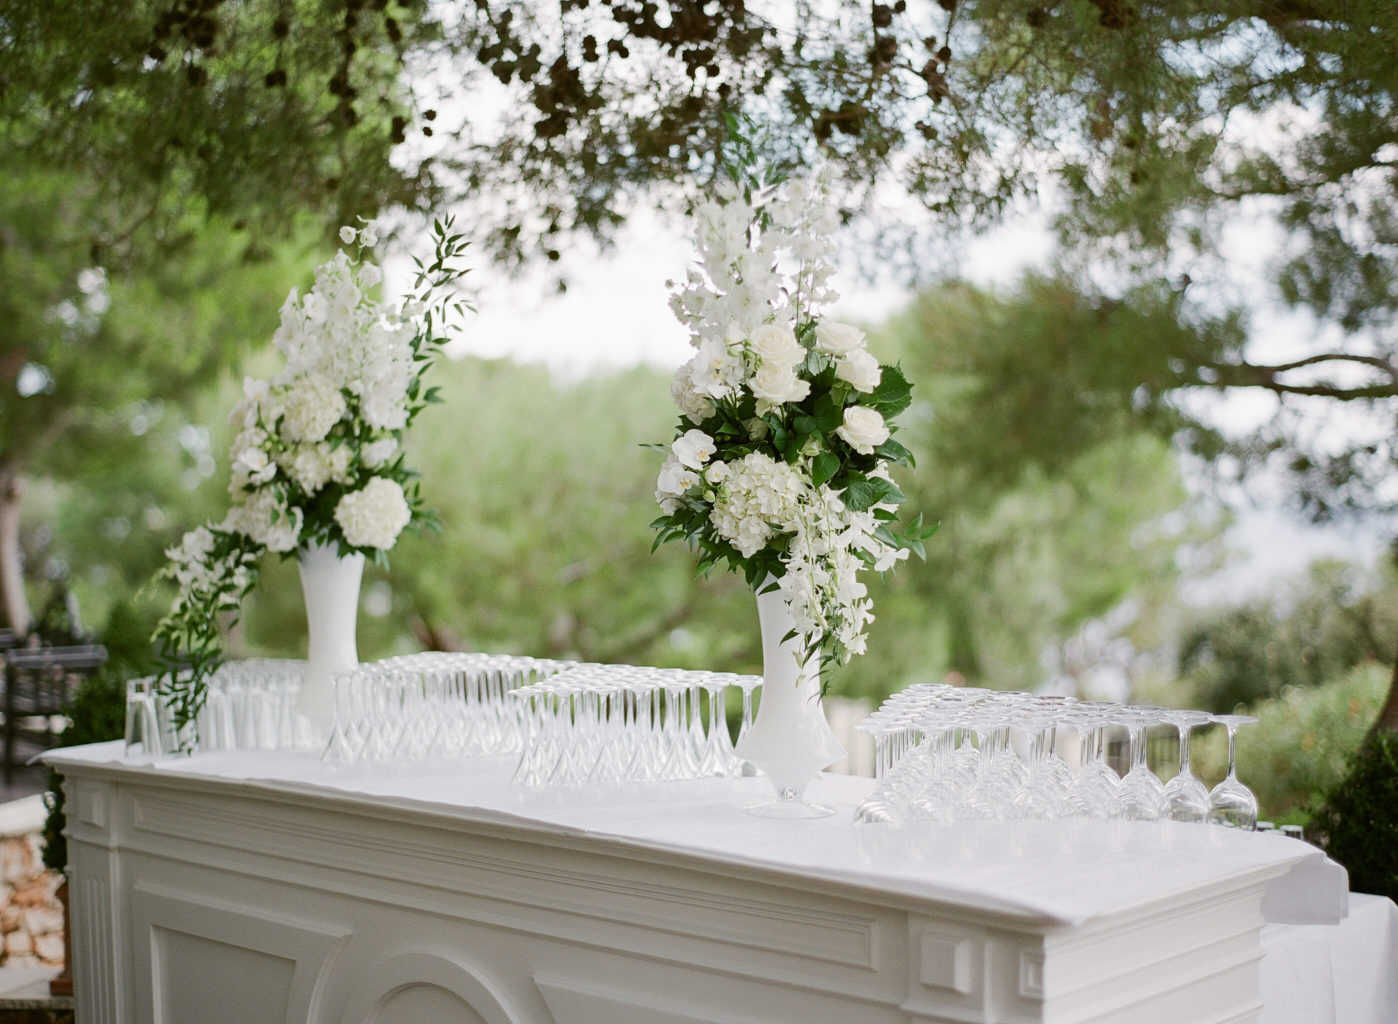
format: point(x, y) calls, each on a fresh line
point(838, 339)
point(374, 516)
point(776, 344)
point(693, 448)
point(860, 369)
point(778, 385)
point(863, 428)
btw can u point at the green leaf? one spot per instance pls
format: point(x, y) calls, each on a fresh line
point(825, 466)
point(894, 393)
point(861, 494)
point(827, 414)
point(895, 452)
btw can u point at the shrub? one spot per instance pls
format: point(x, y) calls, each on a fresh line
point(1359, 822)
point(1300, 747)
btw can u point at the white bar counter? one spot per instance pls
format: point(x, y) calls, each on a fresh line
point(255, 887)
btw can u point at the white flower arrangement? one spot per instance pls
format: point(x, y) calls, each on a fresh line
point(318, 458)
point(779, 466)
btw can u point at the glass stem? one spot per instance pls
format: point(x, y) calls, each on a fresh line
point(1232, 752)
point(1138, 747)
point(1184, 752)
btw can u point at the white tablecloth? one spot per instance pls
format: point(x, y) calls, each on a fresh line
point(1334, 974)
point(1067, 872)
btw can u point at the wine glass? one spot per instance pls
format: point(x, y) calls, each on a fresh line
point(1230, 802)
point(1141, 795)
point(1093, 791)
point(1186, 798)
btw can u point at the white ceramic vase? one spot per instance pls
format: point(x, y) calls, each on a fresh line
point(790, 740)
point(330, 585)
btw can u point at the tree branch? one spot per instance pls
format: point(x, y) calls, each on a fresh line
point(1233, 375)
point(1378, 362)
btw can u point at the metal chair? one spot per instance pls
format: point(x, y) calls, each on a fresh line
point(39, 683)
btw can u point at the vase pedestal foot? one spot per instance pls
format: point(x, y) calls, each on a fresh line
point(790, 808)
point(789, 803)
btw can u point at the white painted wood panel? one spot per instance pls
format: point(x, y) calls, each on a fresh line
point(201, 899)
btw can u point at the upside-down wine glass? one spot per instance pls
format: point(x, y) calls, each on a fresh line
point(1230, 802)
point(1186, 798)
point(1141, 795)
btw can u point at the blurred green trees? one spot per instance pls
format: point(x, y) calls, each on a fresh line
point(1304, 632)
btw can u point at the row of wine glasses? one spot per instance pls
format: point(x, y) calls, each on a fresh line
point(601, 724)
point(248, 706)
point(945, 753)
point(435, 704)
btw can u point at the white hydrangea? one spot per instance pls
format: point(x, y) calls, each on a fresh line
point(695, 406)
point(309, 466)
point(313, 405)
point(375, 515)
point(267, 520)
point(385, 407)
point(760, 498)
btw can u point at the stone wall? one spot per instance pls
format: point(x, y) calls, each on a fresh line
point(31, 918)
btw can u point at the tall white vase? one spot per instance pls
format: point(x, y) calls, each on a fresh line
point(790, 739)
point(330, 585)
